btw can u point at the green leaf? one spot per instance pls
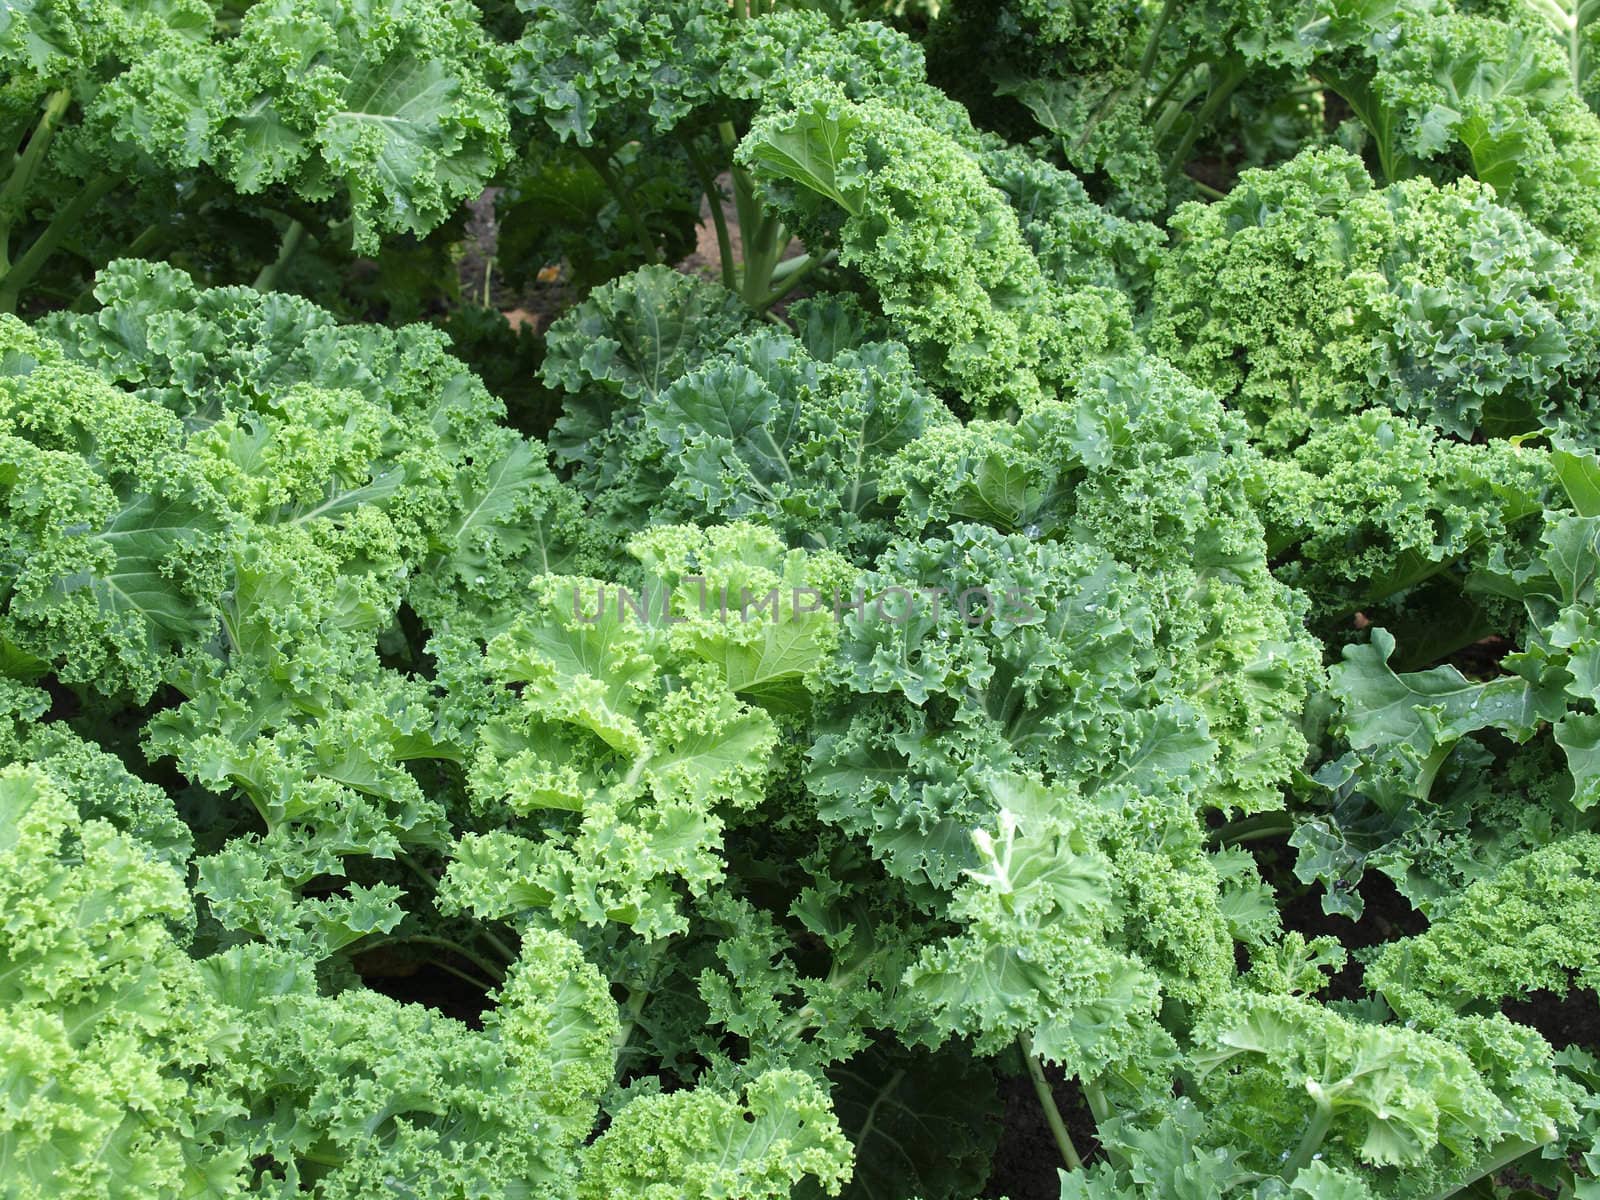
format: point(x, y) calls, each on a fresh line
point(1425, 713)
point(1576, 467)
point(810, 147)
point(403, 143)
point(636, 335)
point(144, 538)
point(1577, 24)
point(920, 1123)
point(1579, 735)
point(703, 1142)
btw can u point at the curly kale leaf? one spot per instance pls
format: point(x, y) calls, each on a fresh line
point(1307, 294)
point(107, 1027)
point(361, 1093)
point(1372, 505)
point(1031, 957)
point(388, 106)
point(646, 747)
point(765, 432)
point(115, 541)
point(1419, 1111)
point(1528, 926)
point(1458, 94)
point(257, 491)
point(941, 246)
point(1145, 465)
point(597, 70)
point(754, 1145)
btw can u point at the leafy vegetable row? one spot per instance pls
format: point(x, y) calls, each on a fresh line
point(1242, 359)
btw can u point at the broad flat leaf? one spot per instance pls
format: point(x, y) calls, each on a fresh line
point(1425, 713)
point(340, 501)
point(1171, 1157)
point(744, 604)
point(636, 335)
point(597, 70)
point(1572, 556)
point(1168, 743)
point(1006, 491)
point(920, 1123)
point(808, 147)
point(392, 140)
point(145, 537)
point(770, 671)
point(1577, 467)
point(1092, 1029)
point(558, 1020)
point(1579, 735)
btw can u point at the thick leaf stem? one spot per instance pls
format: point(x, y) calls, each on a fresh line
point(14, 194)
point(708, 184)
point(293, 238)
point(1168, 114)
point(1429, 770)
point(761, 259)
point(630, 1013)
point(1311, 1141)
point(1047, 1101)
point(467, 977)
point(147, 241)
point(765, 237)
point(806, 1017)
point(1223, 85)
point(1095, 1097)
point(22, 273)
point(637, 996)
point(501, 948)
point(786, 280)
point(489, 968)
point(1393, 166)
point(1153, 46)
point(412, 865)
point(1255, 828)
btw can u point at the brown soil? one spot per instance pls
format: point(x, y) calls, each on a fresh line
point(1026, 1163)
point(540, 300)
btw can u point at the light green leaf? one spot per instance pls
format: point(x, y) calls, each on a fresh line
point(809, 147)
